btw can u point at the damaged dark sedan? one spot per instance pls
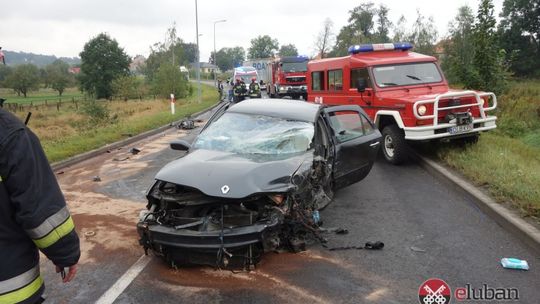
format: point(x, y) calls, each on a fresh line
point(253, 181)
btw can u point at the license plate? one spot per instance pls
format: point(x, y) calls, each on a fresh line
point(460, 129)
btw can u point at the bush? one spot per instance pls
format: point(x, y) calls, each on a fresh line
point(97, 112)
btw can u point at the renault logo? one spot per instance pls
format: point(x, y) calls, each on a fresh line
point(225, 189)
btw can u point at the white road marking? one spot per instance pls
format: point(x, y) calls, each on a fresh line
point(123, 282)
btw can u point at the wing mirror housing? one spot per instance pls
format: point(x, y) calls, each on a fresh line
point(361, 85)
point(180, 145)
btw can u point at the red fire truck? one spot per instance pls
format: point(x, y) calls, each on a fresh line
point(287, 77)
point(405, 93)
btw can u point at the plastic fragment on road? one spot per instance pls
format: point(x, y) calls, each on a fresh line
point(121, 159)
point(134, 151)
point(513, 263)
point(417, 249)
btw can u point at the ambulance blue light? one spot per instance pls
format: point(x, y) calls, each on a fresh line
point(362, 48)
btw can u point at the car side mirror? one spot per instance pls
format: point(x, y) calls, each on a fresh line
point(361, 85)
point(180, 145)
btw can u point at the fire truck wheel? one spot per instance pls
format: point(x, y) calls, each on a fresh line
point(394, 145)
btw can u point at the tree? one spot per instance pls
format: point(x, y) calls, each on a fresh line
point(169, 80)
point(519, 32)
point(5, 71)
point(228, 58)
point(359, 30)
point(127, 87)
point(23, 79)
point(58, 76)
point(362, 18)
point(459, 49)
point(400, 30)
point(102, 60)
point(288, 50)
point(488, 59)
point(423, 34)
point(263, 47)
point(383, 24)
point(325, 39)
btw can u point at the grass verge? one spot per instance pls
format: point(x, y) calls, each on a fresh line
point(70, 132)
point(506, 161)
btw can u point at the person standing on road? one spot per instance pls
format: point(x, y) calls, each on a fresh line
point(239, 90)
point(220, 89)
point(229, 87)
point(33, 215)
point(2, 57)
point(254, 89)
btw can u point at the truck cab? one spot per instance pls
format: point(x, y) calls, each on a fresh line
point(288, 77)
point(404, 92)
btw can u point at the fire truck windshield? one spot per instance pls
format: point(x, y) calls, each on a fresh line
point(291, 67)
point(406, 74)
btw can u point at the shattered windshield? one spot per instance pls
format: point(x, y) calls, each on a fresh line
point(406, 74)
point(256, 134)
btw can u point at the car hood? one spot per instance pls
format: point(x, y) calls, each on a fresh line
point(209, 171)
point(415, 94)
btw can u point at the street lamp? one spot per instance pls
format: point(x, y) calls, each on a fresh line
point(198, 55)
point(215, 63)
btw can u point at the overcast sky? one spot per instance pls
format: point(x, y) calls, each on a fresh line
point(62, 27)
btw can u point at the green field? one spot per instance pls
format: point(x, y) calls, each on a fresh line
point(38, 97)
point(70, 131)
point(506, 161)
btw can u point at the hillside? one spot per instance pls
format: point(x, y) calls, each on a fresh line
point(16, 58)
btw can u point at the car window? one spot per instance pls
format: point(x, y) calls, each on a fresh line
point(347, 125)
point(335, 80)
point(368, 126)
point(406, 74)
point(317, 81)
point(360, 73)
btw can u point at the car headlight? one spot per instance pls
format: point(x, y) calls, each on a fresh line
point(422, 110)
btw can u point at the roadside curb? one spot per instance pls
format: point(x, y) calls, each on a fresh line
point(507, 219)
point(124, 142)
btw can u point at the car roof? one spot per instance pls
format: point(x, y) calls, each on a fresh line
point(377, 58)
point(283, 108)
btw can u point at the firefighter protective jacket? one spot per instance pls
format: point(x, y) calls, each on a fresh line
point(33, 214)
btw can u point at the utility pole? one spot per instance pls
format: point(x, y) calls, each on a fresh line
point(198, 54)
point(215, 62)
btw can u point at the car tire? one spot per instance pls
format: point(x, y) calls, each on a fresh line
point(395, 148)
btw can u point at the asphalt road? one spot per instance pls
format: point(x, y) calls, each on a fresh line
point(428, 229)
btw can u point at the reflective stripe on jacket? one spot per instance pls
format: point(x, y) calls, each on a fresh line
point(33, 214)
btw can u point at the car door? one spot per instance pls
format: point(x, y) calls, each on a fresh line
point(356, 143)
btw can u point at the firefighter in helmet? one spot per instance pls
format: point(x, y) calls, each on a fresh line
point(239, 90)
point(254, 89)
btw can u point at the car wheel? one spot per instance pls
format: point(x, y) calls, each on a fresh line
point(395, 147)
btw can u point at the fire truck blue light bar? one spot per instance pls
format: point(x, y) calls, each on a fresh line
point(361, 48)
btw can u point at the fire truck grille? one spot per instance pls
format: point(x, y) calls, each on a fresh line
point(296, 79)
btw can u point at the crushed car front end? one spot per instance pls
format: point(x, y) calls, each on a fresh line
point(186, 226)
